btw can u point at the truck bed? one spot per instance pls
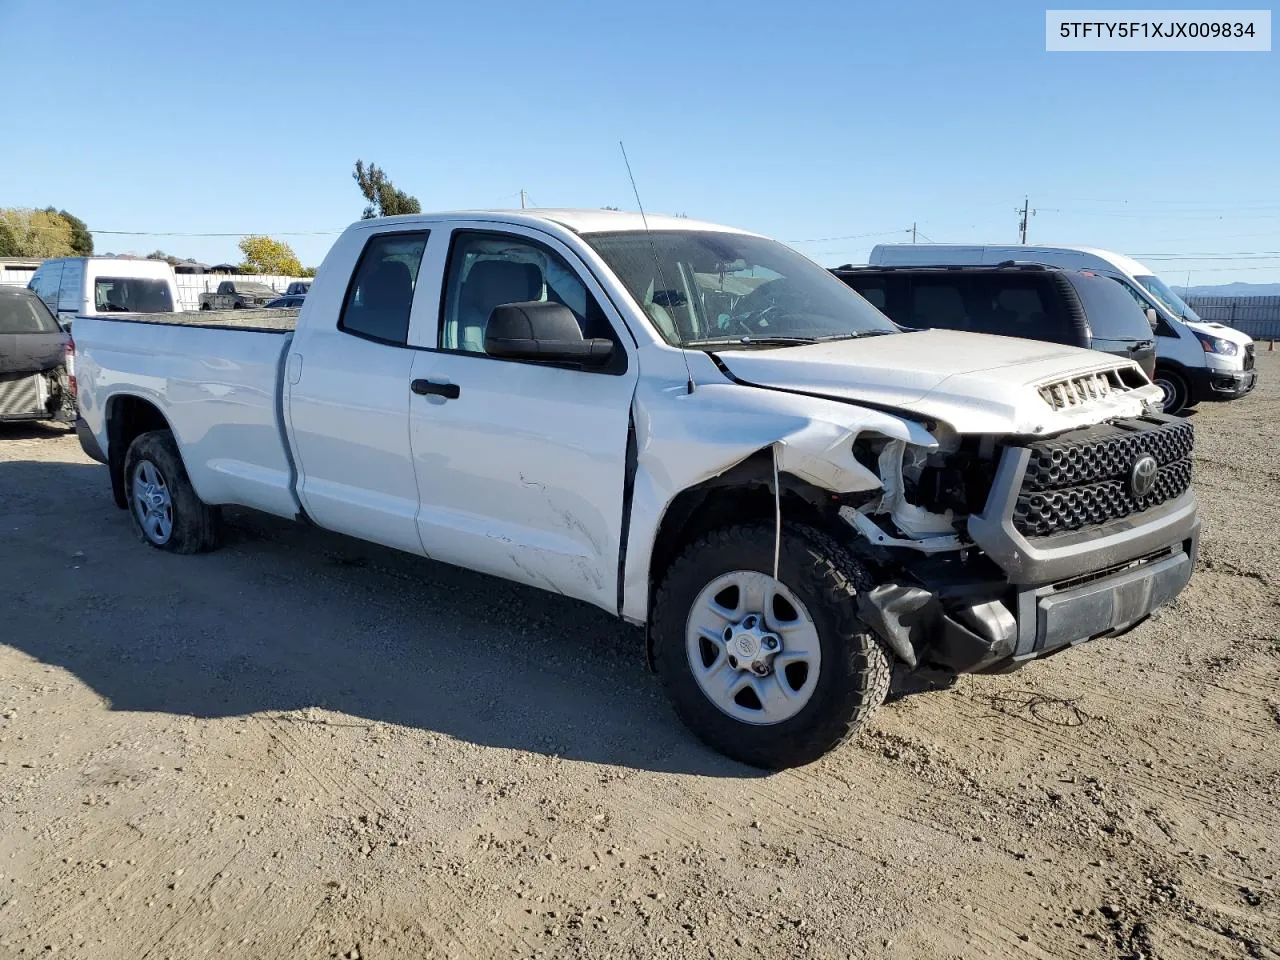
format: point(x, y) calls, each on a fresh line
point(216, 376)
point(256, 321)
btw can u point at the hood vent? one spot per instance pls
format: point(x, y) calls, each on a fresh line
point(1079, 391)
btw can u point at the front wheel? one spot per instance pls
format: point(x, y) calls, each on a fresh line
point(1174, 389)
point(166, 511)
point(774, 673)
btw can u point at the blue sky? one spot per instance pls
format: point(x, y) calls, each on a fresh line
point(804, 120)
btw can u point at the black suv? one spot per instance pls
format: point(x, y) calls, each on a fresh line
point(1075, 307)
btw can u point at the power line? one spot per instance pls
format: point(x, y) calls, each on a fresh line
point(242, 233)
point(852, 236)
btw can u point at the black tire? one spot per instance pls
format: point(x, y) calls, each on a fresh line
point(855, 669)
point(206, 306)
point(194, 524)
point(1175, 390)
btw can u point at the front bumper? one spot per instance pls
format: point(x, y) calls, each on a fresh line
point(1210, 384)
point(1037, 597)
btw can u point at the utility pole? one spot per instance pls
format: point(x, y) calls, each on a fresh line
point(1026, 212)
point(913, 231)
point(522, 198)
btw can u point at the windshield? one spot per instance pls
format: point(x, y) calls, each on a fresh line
point(714, 290)
point(25, 314)
point(132, 295)
point(1170, 300)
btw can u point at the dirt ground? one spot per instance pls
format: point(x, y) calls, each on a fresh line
point(304, 746)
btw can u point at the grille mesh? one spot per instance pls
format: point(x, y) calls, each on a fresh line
point(1082, 478)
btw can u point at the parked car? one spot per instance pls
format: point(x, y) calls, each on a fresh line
point(694, 428)
point(237, 294)
point(298, 288)
point(94, 286)
point(1195, 361)
point(286, 303)
point(1073, 307)
point(35, 378)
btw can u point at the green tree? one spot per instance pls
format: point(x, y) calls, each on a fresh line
point(384, 199)
point(35, 233)
point(81, 238)
point(265, 255)
point(8, 242)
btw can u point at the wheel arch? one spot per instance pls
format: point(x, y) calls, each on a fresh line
point(128, 416)
point(742, 494)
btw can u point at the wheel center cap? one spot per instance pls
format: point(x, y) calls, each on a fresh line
point(747, 646)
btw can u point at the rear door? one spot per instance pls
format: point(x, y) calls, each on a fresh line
point(521, 465)
point(348, 374)
point(1116, 323)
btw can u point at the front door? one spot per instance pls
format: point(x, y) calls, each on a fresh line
point(521, 465)
point(347, 381)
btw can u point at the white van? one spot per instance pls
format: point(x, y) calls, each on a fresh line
point(100, 286)
point(1196, 360)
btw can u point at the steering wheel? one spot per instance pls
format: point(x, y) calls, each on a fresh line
point(756, 307)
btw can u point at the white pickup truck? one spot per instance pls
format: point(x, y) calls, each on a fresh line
point(690, 426)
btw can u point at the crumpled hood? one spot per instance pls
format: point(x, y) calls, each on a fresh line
point(974, 382)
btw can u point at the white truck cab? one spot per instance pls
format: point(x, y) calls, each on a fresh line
point(98, 286)
point(690, 426)
point(1196, 361)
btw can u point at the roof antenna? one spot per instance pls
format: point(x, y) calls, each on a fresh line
point(657, 261)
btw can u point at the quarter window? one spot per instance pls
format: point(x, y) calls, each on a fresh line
point(381, 292)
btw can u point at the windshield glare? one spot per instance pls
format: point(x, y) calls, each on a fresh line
point(1171, 301)
point(712, 290)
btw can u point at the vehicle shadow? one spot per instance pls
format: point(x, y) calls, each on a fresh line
point(286, 617)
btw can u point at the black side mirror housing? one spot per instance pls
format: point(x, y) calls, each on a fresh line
point(538, 330)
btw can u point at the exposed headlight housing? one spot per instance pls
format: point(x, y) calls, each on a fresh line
point(1213, 344)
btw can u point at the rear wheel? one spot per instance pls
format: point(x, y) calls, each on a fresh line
point(164, 507)
point(1174, 388)
point(774, 673)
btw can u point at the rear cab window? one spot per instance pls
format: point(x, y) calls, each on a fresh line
point(380, 296)
point(24, 313)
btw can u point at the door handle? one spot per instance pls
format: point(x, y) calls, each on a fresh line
point(425, 388)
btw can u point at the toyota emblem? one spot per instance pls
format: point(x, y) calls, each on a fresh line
point(1142, 475)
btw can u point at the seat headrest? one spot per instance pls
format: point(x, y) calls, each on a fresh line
point(493, 282)
point(389, 286)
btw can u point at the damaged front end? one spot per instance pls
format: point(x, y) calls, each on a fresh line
point(989, 553)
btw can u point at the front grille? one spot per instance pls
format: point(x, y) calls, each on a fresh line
point(1248, 356)
point(1082, 478)
point(1077, 391)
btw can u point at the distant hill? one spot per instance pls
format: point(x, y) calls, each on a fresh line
point(1234, 290)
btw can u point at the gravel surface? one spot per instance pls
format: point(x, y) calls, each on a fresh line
point(305, 746)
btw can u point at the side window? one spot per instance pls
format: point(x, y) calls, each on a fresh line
point(380, 295)
point(488, 270)
point(937, 304)
point(873, 291)
point(1162, 328)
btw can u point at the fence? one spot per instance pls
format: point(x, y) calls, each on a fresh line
point(191, 285)
point(1259, 317)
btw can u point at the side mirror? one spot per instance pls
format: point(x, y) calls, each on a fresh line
point(542, 331)
point(1152, 317)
